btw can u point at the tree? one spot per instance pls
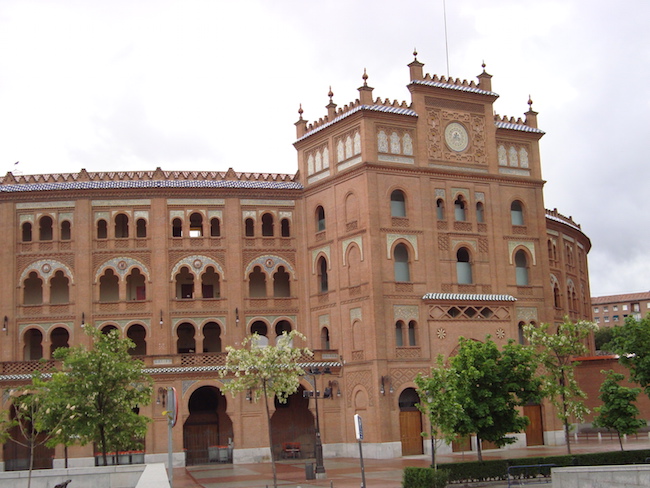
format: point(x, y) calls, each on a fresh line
point(266, 371)
point(107, 386)
point(438, 402)
point(556, 352)
point(618, 411)
point(631, 342)
point(489, 385)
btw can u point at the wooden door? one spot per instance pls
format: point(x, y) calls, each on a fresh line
point(410, 427)
point(535, 429)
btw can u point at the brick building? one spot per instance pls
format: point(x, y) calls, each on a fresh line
point(612, 310)
point(406, 226)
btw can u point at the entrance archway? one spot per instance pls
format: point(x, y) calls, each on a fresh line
point(410, 423)
point(293, 422)
point(208, 429)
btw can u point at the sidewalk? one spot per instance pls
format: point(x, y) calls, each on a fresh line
point(379, 473)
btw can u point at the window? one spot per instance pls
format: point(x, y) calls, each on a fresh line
point(27, 232)
point(267, 225)
point(615, 308)
point(597, 319)
point(33, 345)
point(141, 228)
point(249, 228)
point(59, 290)
point(440, 209)
point(211, 337)
point(261, 330)
point(397, 204)
point(177, 228)
point(45, 229)
point(59, 337)
point(257, 283)
point(102, 229)
point(281, 287)
point(596, 309)
point(325, 338)
point(121, 226)
point(401, 263)
point(109, 287)
point(463, 267)
point(615, 318)
point(210, 286)
point(636, 307)
point(285, 228)
point(521, 267)
point(184, 284)
point(186, 343)
point(196, 225)
point(399, 333)
point(606, 318)
point(459, 210)
point(323, 285)
point(215, 227)
point(516, 213)
point(606, 309)
point(480, 215)
point(320, 219)
point(520, 333)
point(282, 327)
point(33, 290)
point(556, 295)
point(625, 308)
point(135, 286)
point(412, 341)
point(138, 334)
point(65, 230)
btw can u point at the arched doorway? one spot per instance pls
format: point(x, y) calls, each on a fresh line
point(410, 423)
point(16, 453)
point(293, 422)
point(207, 432)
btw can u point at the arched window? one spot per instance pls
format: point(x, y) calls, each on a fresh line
point(480, 213)
point(257, 283)
point(211, 337)
point(267, 225)
point(463, 267)
point(121, 226)
point(285, 228)
point(556, 295)
point(135, 286)
point(215, 227)
point(399, 333)
point(45, 228)
point(59, 337)
point(27, 232)
point(549, 244)
point(459, 209)
point(281, 286)
point(520, 333)
point(397, 204)
point(320, 219)
point(177, 228)
point(185, 342)
point(250, 227)
point(258, 327)
point(141, 228)
point(59, 291)
point(401, 263)
point(210, 285)
point(138, 334)
point(323, 285)
point(107, 329)
point(33, 345)
point(102, 229)
point(281, 327)
point(440, 209)
point(33, 290)
point(184, 284)
point(196, 225)
point(66, 234)
point(516, 213)
point(521, 268)
point(412, 338)
point(109, 287)
point(325, 338)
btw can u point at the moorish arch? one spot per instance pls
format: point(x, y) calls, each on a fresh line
point(269, 264)
point(197, 264)
point(122, 265)
point(46, 268)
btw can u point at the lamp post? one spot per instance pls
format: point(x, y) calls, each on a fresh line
point(167, 396)
point(328, 393)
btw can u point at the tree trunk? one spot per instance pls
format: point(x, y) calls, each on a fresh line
point(620, 440)
point(268, 421)
point(478, 449)
point(102, 441)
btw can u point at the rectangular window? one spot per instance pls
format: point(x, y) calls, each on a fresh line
point(597, 319)
point(615, 318)
point(636, 307)
point(595, 309)
point(624, 308)
point(605, 309)
point(606, 318)
point(615, 308)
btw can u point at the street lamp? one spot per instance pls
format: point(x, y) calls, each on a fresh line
point(328, 393)
point(167, 397)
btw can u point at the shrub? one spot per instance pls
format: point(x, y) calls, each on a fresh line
point(424, 478)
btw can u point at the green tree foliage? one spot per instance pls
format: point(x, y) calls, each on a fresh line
point(267, 371)
point(489, 385)
point(631, 342)
point(107, 387)
point(618, 411)
point(602, 337)
point(556, 349)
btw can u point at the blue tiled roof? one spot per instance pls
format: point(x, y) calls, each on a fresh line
point(469, 297)
point(452, 86)
point(524, 128)
point(111, 185)
point(373, 108)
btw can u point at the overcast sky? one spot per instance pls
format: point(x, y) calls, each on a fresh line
point(213, 84)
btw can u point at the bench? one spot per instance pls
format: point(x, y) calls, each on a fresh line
point(291, 450)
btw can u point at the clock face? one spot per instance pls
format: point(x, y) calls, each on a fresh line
point(456, 137)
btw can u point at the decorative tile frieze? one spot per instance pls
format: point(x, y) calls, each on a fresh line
point(347, 243)
point(512, 245)
point(412, 239)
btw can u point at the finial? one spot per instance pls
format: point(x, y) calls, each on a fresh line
point(330, 94)
point(365, 77)
point(530, 103)
point(300, 111)
point(415, 54)
point(483, 66)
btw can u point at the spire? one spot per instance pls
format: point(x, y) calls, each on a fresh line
point(365, 91)
point(484, 79)
point(331, 107)
point(416, 67)
point(301, 125)
point(531, 115)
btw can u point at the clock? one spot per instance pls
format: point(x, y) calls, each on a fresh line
point(456, 137)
